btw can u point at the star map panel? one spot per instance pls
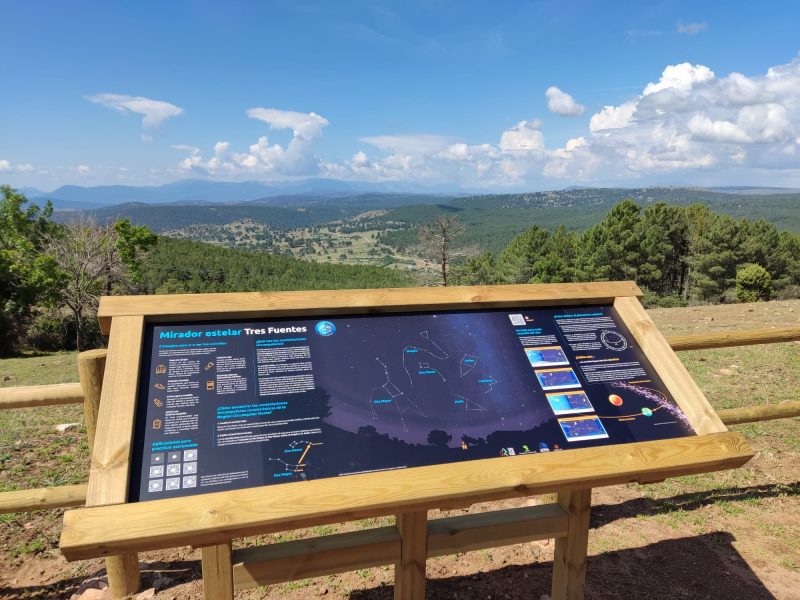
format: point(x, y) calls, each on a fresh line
point(226, 405)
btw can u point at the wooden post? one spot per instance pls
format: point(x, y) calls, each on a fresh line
point(217, 572)
point(123, 574)
point(91, 367)
point(569, 562)
point(409, 573)
point(123, 569)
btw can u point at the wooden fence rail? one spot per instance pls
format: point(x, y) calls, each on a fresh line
point(32, 396)
point(340, 552)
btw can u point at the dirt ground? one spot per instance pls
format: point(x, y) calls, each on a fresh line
point(734, 534)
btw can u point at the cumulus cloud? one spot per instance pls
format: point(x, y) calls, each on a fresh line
point(562, 103)
point(83, 170)
point(691, 28)
point(692, 120)
point(5, 166)
point(154, 112)
point(688, 123)
point(525, 136)
point(680, 78)
point(612, 117)
point(295, 159)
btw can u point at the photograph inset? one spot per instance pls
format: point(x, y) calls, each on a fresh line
point(557, 379)
point(578, 429)
point(568, 403)
point(546, 356)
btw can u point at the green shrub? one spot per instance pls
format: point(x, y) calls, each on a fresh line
point(50, 331)
point(753, 283)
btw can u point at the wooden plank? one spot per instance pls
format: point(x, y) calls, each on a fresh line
point(217, 572)
point(42, 498)
point(338, 553)
point(298, 559)
point(764, 412)
point(216, 517)
point(569, 561)
point(108, 476)
point(109, 471)
point(727, 339)
point(496, 528)
point(409, 571)
point(29, 396)
point(328, 302)
point(669, 368)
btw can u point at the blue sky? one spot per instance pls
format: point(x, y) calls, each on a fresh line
point(490, 95)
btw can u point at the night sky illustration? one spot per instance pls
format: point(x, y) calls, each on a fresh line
point(405, 390)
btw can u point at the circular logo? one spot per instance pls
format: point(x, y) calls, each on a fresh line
point(325, 328)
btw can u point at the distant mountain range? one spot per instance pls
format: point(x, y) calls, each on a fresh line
point(199, 191)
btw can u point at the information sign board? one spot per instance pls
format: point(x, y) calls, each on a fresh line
point(241, 403)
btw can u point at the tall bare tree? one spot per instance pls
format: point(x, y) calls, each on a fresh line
point(437, 238)
point(89, 262)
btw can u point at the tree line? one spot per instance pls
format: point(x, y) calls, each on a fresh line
point(53, 274)
point(676, 254)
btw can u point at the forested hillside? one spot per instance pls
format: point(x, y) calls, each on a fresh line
point(677, 254)
point(490, 221)
point(182, 266)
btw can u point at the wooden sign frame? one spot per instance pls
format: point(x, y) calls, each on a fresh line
point(110, 527)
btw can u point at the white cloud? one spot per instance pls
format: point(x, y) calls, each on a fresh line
point(7, 167)
point(703, 128)
point(680, 78)
point(612, 117)
point(690, 121)
point(689, 124)
point(154, 112)
point(691, 28)
point(562, 103)
point(83, 170)
point(263, 158)
point(305, 125)
point(525, 135)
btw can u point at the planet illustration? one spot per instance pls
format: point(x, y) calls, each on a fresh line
point(615, 400)
point(647, 412)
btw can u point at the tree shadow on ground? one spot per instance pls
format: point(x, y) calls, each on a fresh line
point(603, 514)
point(703, 567)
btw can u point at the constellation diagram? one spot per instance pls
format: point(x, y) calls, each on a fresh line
point(389, 393)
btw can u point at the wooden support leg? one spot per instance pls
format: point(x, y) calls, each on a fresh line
point(409, 573)
point(217, 572)
point(569, 563)
point(123, 575)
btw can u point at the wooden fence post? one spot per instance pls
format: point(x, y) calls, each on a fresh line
point(91, 367)
point(217, 572)
point(569, 562)
point(122, 570)
point(409, 573)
